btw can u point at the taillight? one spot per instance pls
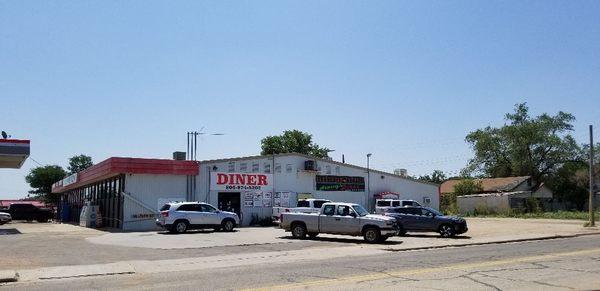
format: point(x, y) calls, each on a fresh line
point(164, 213)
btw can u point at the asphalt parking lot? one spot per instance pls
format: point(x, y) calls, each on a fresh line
point(481, 230)
point(32, 245)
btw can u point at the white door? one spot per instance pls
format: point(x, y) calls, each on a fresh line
point(210, 215)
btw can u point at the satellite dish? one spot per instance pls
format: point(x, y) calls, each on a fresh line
point(4, 135)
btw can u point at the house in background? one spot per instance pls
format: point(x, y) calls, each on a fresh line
point(501, 194)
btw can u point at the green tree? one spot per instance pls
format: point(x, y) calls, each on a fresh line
point(79, 163)
point(570, 183)
point(41, 180)
point(437, 176)
point(524, 146)
point(467, 187)
point(293, 141)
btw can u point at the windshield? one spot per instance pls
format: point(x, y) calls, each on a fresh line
point(437, 213)
point(361, 211)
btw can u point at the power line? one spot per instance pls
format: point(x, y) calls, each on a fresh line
point(36, 161)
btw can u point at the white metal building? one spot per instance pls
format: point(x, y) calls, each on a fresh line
point(129, 191)
point(292, 176)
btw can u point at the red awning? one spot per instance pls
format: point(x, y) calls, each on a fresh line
point(115, 166)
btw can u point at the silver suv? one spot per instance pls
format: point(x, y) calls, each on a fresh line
point(178, 217)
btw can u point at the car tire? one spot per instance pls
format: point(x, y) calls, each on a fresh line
point(2, 222)
point(313, 234)
point(227, 225)
point(299, 231)
point(180, 226)
point(402, 231)
point(447, 230)
point(372, 235)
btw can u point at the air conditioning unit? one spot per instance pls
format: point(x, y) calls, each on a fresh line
point(179, 156)
point(310, 165)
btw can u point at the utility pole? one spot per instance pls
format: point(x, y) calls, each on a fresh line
point(591, 202)
point(368, 183)
point(191, 155)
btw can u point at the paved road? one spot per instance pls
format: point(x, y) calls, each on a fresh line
point(559, 264)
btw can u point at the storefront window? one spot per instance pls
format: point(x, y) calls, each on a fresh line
point(267, 168)
point(277, 168)
point(328, 170)
point(255, 168)
point(231, 167)
point(288, 168)
point(243, 167)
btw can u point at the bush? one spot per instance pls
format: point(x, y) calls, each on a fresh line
point(448, 204)
point(532, 205)
point(264, 221)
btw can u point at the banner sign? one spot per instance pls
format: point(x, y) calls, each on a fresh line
point(69, 180)
point(340, 183)
point(241, 181)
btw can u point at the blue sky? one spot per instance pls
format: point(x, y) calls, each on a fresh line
point(403, 80)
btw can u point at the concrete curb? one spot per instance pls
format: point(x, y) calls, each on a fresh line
point(8, 276)
point(557, 236)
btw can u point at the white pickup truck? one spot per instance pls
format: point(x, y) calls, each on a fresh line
point(341, 218)
point(303, 206)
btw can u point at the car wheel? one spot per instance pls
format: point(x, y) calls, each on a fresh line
point(299, 231)
point(180, 226)
point(313, 234)
point(402, 231)
point(372, 235)
point(2, 222)
point(447, 230)
point(227, 225)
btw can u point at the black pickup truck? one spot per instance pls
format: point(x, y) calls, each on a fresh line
point(29, 212)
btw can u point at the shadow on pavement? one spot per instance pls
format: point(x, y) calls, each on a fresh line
point(341, 240)
point(435, 236)
point(9, 231)
point(195, 231)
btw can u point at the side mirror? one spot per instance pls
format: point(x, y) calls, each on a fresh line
point(353, 214)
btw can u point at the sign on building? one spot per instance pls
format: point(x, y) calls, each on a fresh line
point(241, 181)
point(340, 183)
point(69, 180)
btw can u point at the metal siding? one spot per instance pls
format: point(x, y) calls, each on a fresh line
point(148, 188)
point(300, 181)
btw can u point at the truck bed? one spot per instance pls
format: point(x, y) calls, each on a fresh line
point(311, 220)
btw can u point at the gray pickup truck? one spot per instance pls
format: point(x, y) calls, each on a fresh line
point(340, 218)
